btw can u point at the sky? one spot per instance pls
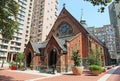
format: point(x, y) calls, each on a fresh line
point(90, 12)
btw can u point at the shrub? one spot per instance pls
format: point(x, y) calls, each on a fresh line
point(92, 59)
point(12, 63)
point(76, 58)
point(95, 57)
point(95, 67)
point(19, 59)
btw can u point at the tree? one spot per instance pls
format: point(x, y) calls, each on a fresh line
point(95, 57)
point(76, 58)
point(101, 3)
point(20, 58)
point(8, 18)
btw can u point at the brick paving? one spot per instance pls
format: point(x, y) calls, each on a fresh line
point(86, 76)
point(115, 76)
point(9, 75)
point(6, 75)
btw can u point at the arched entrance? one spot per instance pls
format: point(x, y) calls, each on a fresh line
point(52, 58)
point(28, 60)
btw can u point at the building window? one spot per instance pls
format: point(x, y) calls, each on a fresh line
point(18, 44)
point(26, 40)
point(51, 17)
point(47, 18)
point(5, 41)
point(11, 48)
point(23, 8)
point(17, 49)
point(46, 27)
point(4, 47)
point(25, 0)
point(22, 12)
point(26, 31)
point(12, 43)
point(18, 39)
point(50, 24)
point(48, 3)
point(30, 3)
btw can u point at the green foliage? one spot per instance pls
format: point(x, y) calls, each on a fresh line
point(8, 18)
point(95, 58)
point(95, 67)
point(76, 58)
point(12, 64)
point(20, 58)
point(92, 59)
point(101, 3)
point(119, 15)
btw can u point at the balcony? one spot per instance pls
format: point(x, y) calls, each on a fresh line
point(3, 49)
point(56, 1)
point(56, 14)
point(1, 43)
point(56, 7)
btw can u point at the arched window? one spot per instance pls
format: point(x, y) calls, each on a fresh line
point(64, 29)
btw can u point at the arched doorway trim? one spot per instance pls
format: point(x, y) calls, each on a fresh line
point(52, 57)
point(28, 59)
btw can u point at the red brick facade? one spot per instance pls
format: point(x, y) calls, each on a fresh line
point(55, 52)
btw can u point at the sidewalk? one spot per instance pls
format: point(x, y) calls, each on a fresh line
point(7, 75)
point(28, 75)
point(115, 76)
point(108, 74)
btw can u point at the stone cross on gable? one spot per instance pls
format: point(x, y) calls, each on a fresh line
point(64, 5)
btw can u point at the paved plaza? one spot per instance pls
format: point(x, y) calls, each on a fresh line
point(31, 75)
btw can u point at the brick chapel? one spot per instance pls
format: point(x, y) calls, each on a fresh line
point(66, 35)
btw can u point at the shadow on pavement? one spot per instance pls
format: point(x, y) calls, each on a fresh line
point(86, 73)
point(5, 78)
point(113, 70)
point(117, 71)
point(69, 74)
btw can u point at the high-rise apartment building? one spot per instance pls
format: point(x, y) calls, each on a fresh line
point(107, 35)
point(43, 17)
point(114, 10)
point(21, 37)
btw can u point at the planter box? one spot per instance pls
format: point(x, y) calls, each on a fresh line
point(96, 73)
point(13, 67)
point(77, 70)
point(104, 69)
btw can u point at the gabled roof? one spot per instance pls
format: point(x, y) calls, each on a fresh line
point(61, 43)
point(73, 37)
point(92, 35)
point(35, 46)
point(43, 44)
point(63, 14)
